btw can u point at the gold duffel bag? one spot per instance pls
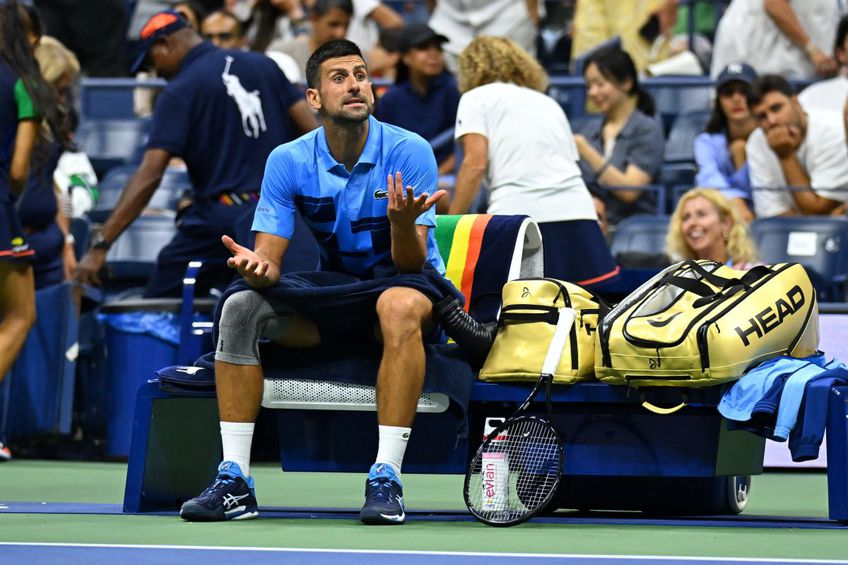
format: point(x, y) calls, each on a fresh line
point(532, 309)
point(700, 323)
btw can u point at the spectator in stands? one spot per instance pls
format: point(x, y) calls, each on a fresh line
point(463, 20)
point(425, 96)
point(369, 17)
point(94, 31)
point(720, 150)
point(329, 19)
point(706, 225)
point(386, 56)
point(192, 12)
point(224, 30)
point(626, 149)
point(831, 94)
point(341, 162)
point(271, 20)
point(643, 27)
point(42, 210)
point(794, 148)
point(25, 100)
point(222, 112)
point(520, 140)
point(778, 37)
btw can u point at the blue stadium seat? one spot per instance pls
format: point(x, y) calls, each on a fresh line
point(672, 101)
point(677, 178)
point(680, 145)
point(173, 183)
point(640, 234)
point(133, 255)
point(819, 243)
point(109, 143)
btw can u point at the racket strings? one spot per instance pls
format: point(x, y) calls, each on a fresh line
point(516, 473)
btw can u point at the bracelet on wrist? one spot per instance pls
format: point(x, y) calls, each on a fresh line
point(601, 169)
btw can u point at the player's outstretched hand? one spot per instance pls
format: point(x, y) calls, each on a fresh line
point(404, 209)
point(249, 265)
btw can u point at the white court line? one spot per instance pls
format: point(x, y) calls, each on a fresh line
point(436, 553)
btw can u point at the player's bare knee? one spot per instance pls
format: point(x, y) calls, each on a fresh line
point(402, 312)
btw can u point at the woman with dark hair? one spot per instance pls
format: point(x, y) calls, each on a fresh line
point(43, 212)
point(626, 148)
point(425, 96)
point(24, 99)
point(720, 150)
point(271, 20)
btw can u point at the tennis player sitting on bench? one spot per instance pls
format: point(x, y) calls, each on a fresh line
point(336, 176)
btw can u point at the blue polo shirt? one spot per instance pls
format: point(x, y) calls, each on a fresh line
point(427, 115)
point(346, 211)
point(223, 113)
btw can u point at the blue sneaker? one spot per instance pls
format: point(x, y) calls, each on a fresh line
point(383, 497)
point(230, 497)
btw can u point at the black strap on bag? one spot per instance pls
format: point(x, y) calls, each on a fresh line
point(518, 313)
point(706, 293)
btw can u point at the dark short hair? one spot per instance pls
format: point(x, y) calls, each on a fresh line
point(766, 84)
point(841, 32)
point(331, 50)
point(321, 7)
point(617, 65)
point(229, 15)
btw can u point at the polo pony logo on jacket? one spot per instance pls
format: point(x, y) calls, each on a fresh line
point(249, 104)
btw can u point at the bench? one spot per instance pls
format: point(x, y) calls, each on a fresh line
point(618, 455)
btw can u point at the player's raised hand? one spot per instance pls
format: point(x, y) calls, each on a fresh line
point(404, 207)
point(249, 265)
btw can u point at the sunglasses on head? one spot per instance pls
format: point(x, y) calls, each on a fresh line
point(224, 35)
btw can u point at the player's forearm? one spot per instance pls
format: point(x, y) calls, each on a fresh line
point(468, 183)
point(408, 251)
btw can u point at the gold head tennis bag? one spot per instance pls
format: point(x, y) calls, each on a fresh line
point(700, 323)
point(526, 326)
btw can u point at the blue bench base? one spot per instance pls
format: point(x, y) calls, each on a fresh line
point(618, 456)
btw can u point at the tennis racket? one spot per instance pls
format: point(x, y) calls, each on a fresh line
point(516, 471)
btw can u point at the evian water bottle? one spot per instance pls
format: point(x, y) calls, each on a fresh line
point(494, 469)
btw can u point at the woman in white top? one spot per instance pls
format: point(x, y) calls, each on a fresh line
point(520, 141)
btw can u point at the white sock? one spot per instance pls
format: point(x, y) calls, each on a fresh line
point(392, 446)
point(236, 437)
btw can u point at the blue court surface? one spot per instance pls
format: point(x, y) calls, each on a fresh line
point(37, 554)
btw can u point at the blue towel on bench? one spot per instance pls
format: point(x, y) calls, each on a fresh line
point(341, 305)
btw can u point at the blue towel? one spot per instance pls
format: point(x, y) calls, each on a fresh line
point(342, 306)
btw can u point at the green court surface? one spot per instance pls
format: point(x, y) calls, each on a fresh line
point(773, 494)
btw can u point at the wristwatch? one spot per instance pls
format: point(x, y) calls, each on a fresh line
point(100, 242)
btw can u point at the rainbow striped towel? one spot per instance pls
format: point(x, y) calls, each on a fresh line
point(478, 251)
